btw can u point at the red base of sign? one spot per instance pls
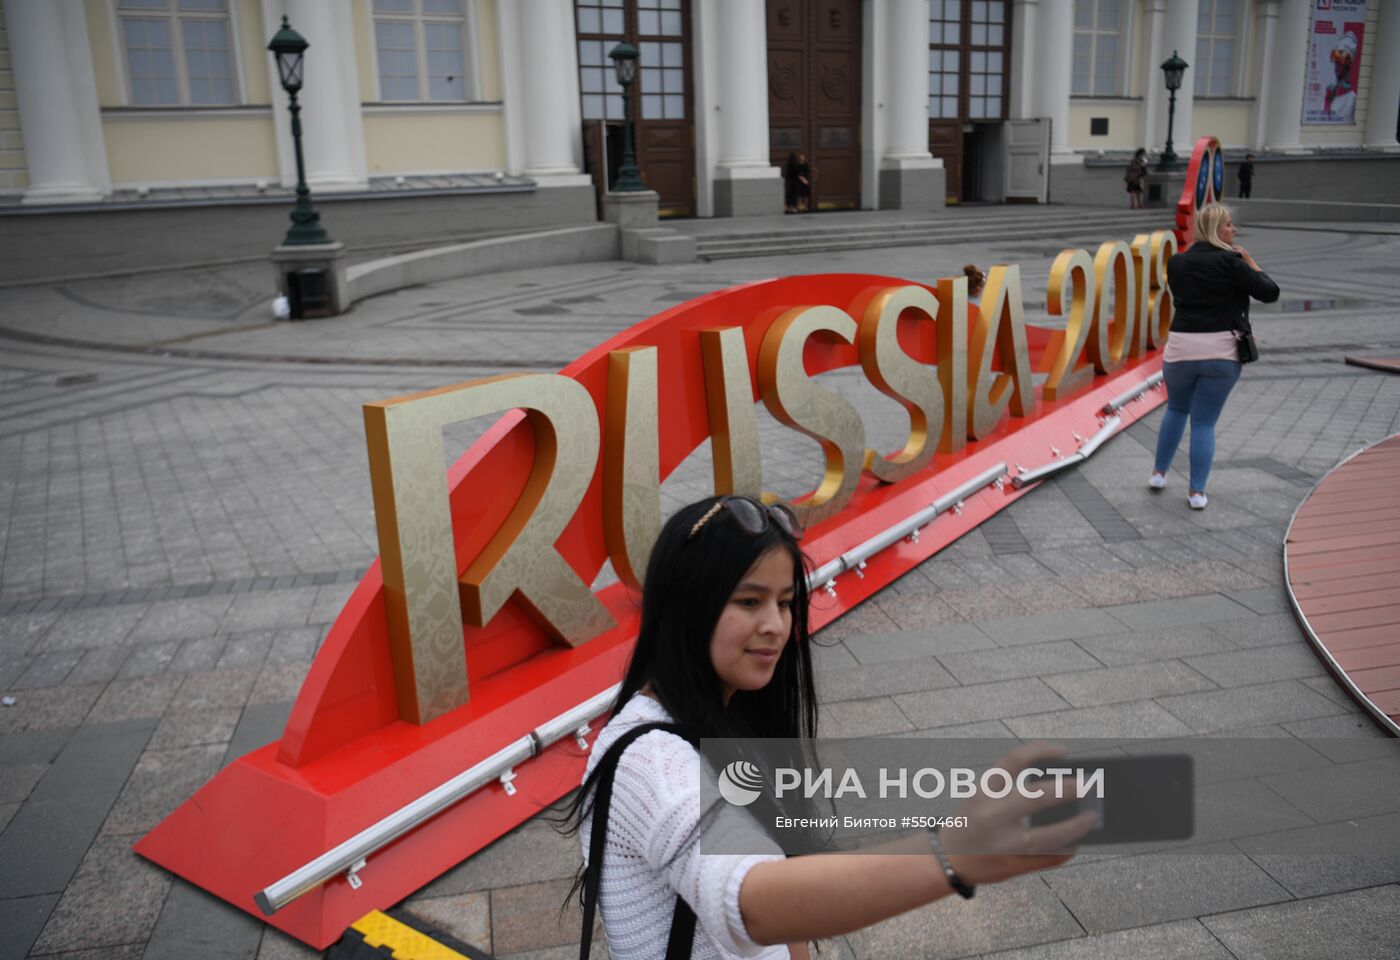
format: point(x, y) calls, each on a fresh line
point(280, 807)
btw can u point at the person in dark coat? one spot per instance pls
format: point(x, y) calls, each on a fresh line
point(1133, 177)
point(797, 178)
point(1247, 176)
point(1211, 284)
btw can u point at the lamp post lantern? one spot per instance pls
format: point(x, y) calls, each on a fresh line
point(1173, 68)
point(289, 47)
point(624, 58)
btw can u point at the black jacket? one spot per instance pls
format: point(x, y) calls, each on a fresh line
point(1211, 288)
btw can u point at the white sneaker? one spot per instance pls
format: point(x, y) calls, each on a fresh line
point(1157, 482)
point(1197, 501)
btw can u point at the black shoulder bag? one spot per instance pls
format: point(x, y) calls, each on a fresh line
point(678, 944)
point(1245, 347)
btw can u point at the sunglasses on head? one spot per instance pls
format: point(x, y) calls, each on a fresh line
point(753, 517)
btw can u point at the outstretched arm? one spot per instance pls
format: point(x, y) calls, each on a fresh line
point(826, 895)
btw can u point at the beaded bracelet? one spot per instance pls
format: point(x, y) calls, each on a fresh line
point(962, 888)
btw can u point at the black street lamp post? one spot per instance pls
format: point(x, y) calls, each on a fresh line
point(624, 58)
point(1174, 67)
point(289, 47)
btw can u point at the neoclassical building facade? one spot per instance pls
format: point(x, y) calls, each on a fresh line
point(891, 103)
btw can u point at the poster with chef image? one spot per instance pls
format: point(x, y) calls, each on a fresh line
point(1334, 61)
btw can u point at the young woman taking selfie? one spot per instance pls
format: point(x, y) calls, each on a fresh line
point(724, 651)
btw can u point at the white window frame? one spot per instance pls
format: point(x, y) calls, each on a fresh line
point(1243, 14)
point(1125, 52)
point(172, 14)
point(471, 53)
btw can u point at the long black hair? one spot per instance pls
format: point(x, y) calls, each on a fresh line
point(689, 580)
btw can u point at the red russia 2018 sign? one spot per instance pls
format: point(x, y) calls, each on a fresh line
point(452, 697)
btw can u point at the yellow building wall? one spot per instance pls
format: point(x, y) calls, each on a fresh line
point(1351, 134)
point(489, 50)
point(14, 172)
point(255, 61)
point(364, 50)
point(1229, 120)
point(1122, 124)
point(410, 141)
point(187, 149)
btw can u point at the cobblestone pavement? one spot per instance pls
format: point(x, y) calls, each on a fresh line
point(187, 506)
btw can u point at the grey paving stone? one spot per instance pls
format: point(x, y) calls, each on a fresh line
point(128, 699)
point(160, 782)
point(1270, 599)
point(1261, 665)
point(149, 658)
point(22, 918)
point(1137, 682)
point(215, 688)
point(1144, 719)
point(1127, 892)
point(1006, 915)
point(295, 646)
point(1179, 940)
point(1366, 788)
point(194, 924)
point(259, 725)
point(34, 746)
point(99, 664)
point(45, 841)
point(95, 762)
point(19, 631)
point(1358, 925)
point(1048, 627)
point(1144, 646)
point(113, 900)
point(268, 610)
point(1262, 631)
point(1038, 659)
point(84, 629)
point(47, 669)
point(1242, 707)
point(276, 945)
point(869, 648)
point(986, 701)
point(18, 779)
point(862, 718)
point(1328, 858)
point(1160, 613)
point(194, 655)
point(191, 728)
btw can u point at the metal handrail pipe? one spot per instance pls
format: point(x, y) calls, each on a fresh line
point(1123, 399)
point(345, 855)
point(1027, 477)
point(1110, 426)
point(551, 732)
point(892, 535)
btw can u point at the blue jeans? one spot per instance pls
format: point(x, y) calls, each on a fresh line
point(1196, 389)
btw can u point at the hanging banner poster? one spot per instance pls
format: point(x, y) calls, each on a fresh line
point(1334, 61)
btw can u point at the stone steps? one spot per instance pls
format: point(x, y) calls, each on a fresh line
point(822, 238)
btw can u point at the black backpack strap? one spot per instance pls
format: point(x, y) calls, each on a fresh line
point(678, 944)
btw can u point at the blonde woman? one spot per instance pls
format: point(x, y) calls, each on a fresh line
point(1211, 284)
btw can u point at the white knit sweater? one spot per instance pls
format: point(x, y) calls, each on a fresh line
point(652, 850)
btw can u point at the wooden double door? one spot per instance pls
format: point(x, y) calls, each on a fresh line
point(814, 96)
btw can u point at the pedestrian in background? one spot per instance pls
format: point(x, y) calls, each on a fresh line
point(1133, 177)
point(1211, 284)
point(1247, 176)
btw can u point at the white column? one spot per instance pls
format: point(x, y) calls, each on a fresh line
point(57, 94)
point(1179, 37)
point(1267, 36)
point(1055, 59)
point(1385, 81)
point(1024, 66)
point(743, 88)
point(552, 120)
point(333, 132)
point(1154, 94)
point(1284, 117)
point(907, 86)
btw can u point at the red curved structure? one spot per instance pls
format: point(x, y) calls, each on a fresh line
point(1341, 560)
point(347, 759)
